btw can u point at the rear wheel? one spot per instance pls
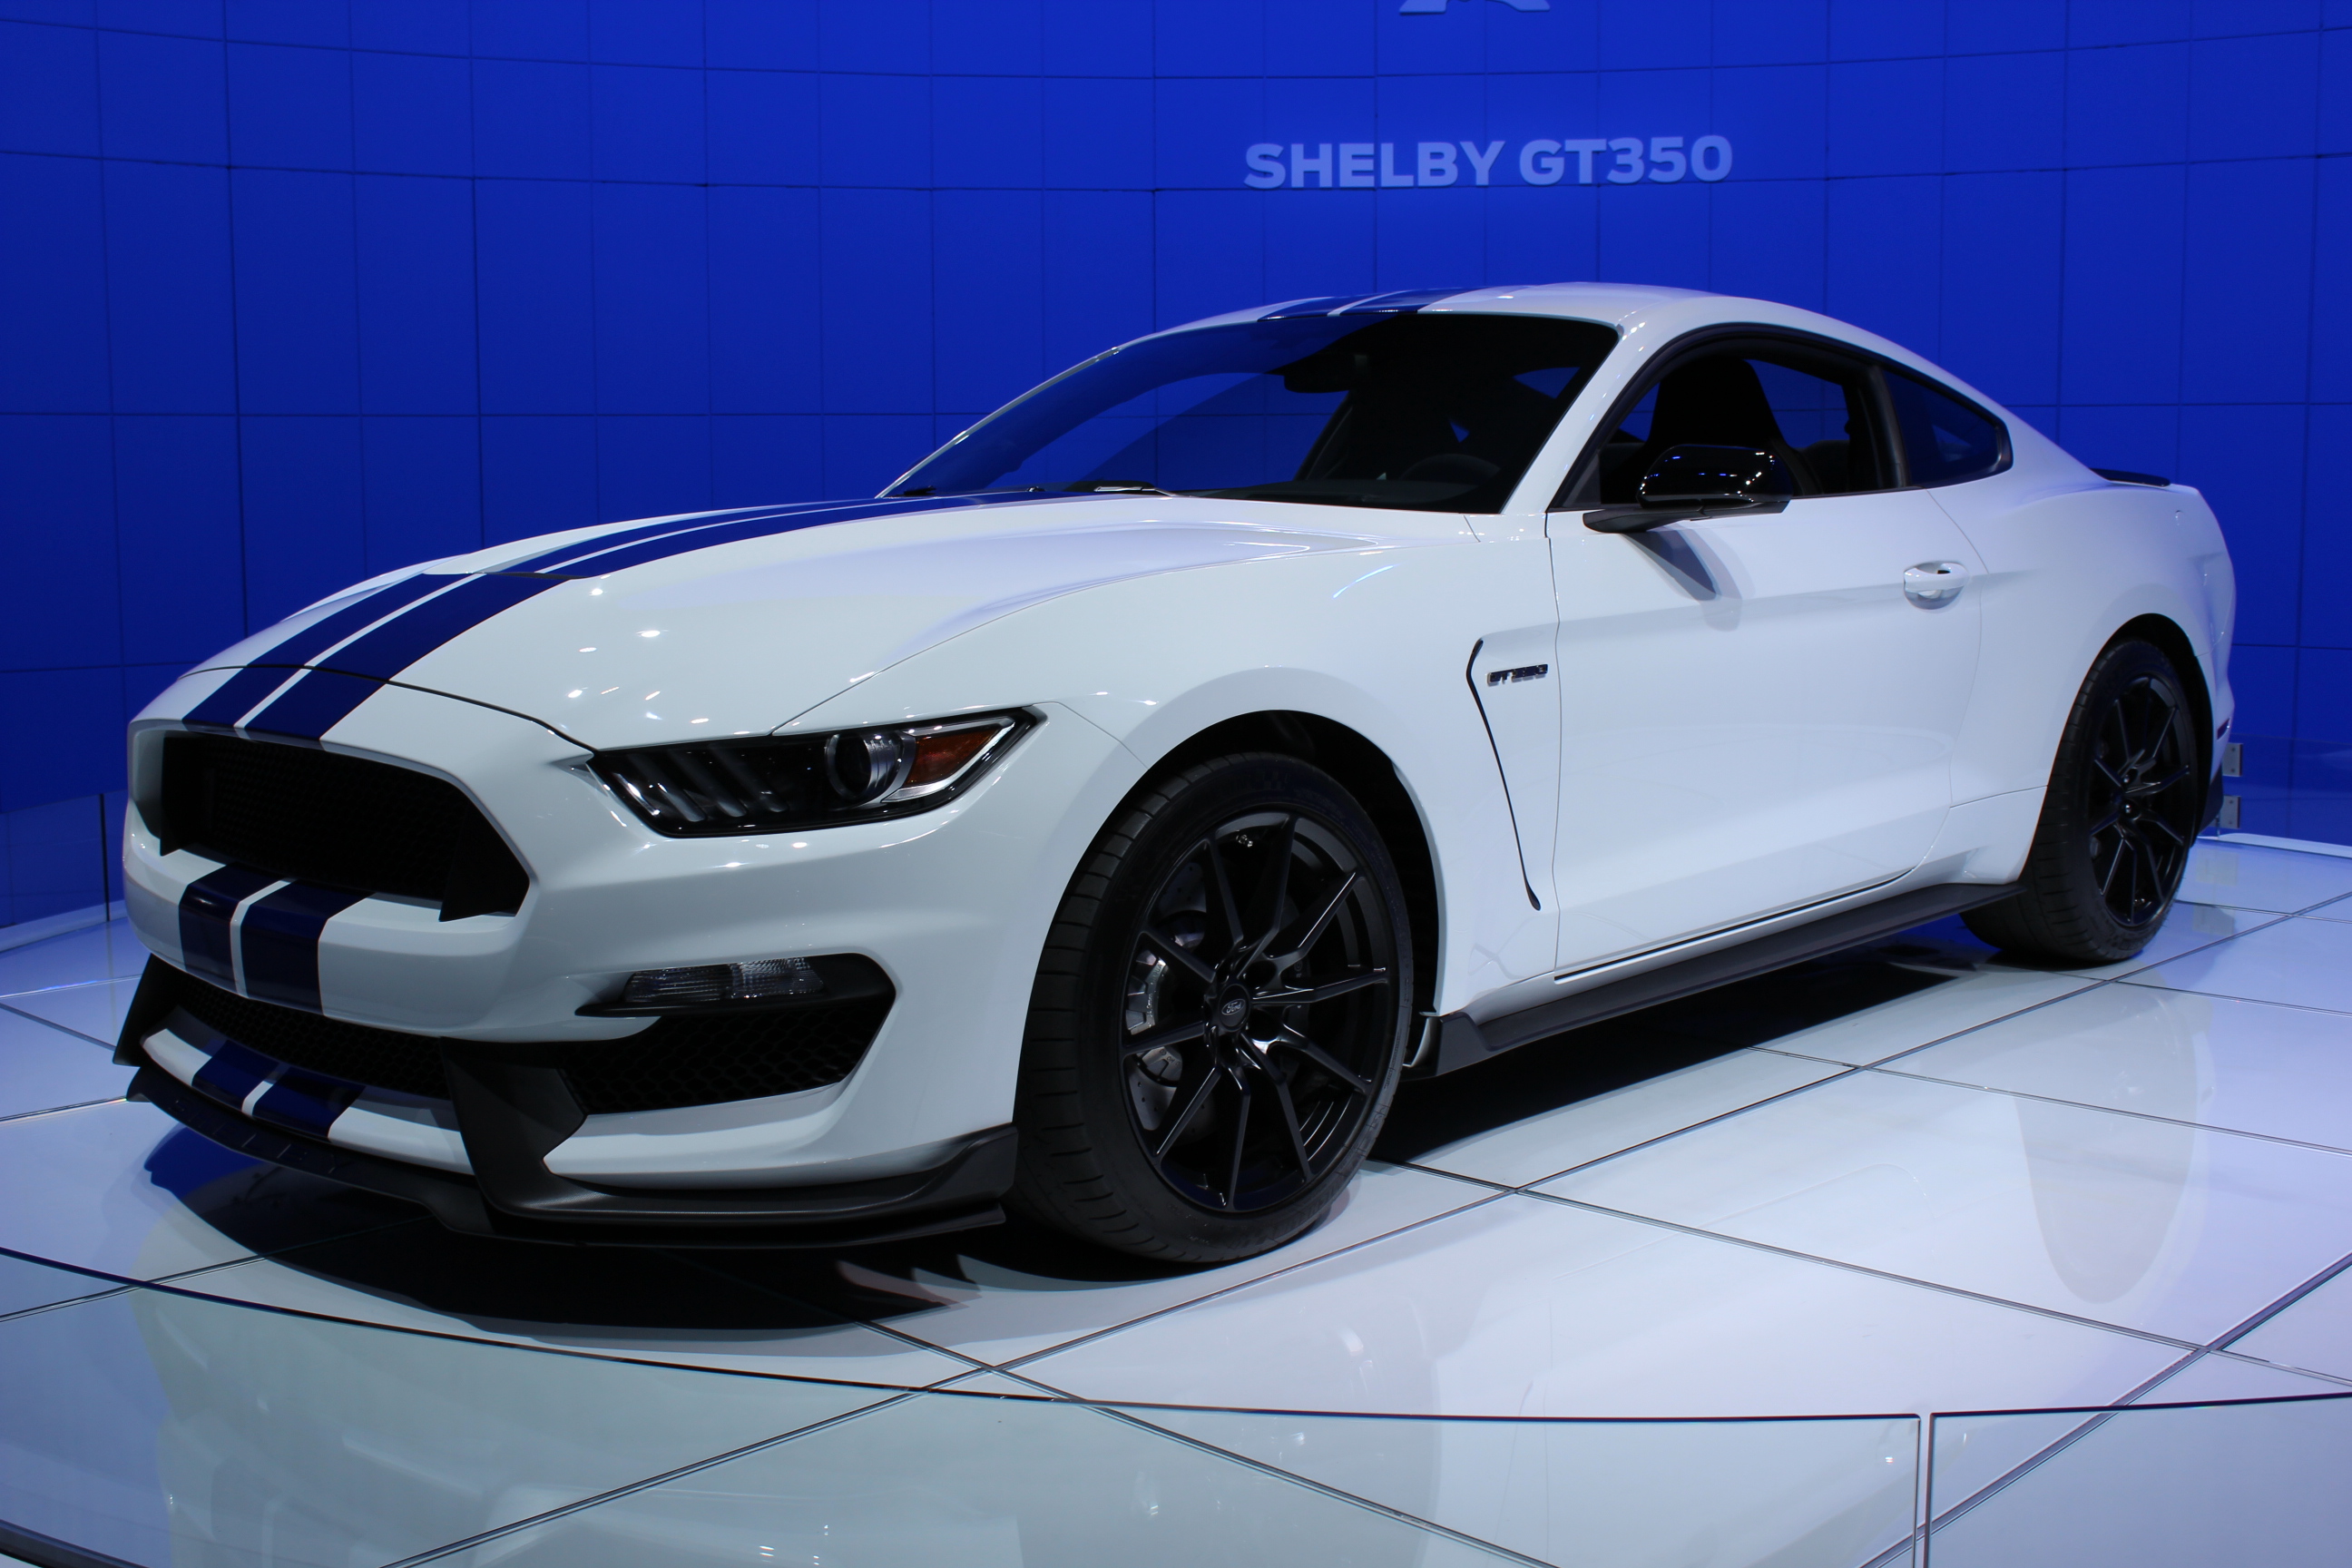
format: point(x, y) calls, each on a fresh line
point(2121, 810)
point(1218, 1018)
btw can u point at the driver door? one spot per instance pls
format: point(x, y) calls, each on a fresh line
point(1757, 714)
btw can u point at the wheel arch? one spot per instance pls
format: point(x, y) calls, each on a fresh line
point(2167, 637)
point(1367, 773)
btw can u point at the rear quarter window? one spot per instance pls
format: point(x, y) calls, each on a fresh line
point(1945, 440)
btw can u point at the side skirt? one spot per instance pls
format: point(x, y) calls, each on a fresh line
point(1463, 1040)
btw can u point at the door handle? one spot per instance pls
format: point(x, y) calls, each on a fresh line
point(1935, 583)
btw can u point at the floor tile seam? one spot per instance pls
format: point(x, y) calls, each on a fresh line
point(53, 1110)
point(630, 1488)
point(2116, 1110)
point(2234, 996)
point(68, 1301)
point(453, 1336)
point(1848, 1071)
point(2242, 1359)
point(2083, 990)
point(2229, 1337)
point(2017, 1472)
point(2146, 1335)
point(277, 1253)
point(972, 1363)
point(1493, 1194)
point(1325, 1488)
point(53, 1024)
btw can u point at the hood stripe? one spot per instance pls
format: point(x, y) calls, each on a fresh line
point(236, 697)
point(339, 683)
point(320, 699)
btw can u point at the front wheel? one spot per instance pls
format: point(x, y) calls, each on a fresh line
point(2122, 811)
point(1218, 1015)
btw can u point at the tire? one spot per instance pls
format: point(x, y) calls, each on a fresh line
point(2123, 808)
point(1218, 1015)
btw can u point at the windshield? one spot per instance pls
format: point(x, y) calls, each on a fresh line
point(1427, 413)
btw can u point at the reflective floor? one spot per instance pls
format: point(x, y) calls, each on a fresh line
point(1909, 1180)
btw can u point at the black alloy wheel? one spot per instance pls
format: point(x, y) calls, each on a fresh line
point(1218, 1015)
point(2144, 793)
point(2126, 797)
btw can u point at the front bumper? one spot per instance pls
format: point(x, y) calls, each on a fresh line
point(953, 905)
point(511, 1112)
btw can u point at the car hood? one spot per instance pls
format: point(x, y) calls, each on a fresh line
point(720, 625)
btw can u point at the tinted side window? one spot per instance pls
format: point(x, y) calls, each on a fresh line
point(1811, 413)
point(1944, 441)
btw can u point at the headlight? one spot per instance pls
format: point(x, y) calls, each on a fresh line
point(779, 784)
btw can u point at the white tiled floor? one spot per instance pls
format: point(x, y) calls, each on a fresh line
point(1910, 1179)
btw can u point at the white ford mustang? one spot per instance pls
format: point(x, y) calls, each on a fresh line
point(1103, 821)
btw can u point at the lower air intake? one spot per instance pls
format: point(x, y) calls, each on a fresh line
point(700, 1060)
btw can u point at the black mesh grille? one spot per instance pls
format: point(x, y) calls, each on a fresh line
point(679, 1061)
point(345, 822)
point(385, 1058)
point(704, 1060)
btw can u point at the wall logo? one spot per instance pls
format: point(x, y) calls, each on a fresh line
point(1594, 160)
point(1434, 8)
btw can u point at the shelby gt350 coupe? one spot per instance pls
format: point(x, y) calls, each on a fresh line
point(1103, 821)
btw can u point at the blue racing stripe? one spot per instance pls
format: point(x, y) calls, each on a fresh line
point(305, 1101)
point(234, 1072)
point(324, 697)
point(279, 940)
point(206, 906)
point(316, 704)
point(620, 536)
point(602, 559)
point(236, 697)
point(320, 699)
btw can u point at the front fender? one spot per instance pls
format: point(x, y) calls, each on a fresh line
point(1376, 640)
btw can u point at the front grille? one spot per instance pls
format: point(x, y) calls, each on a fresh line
point(344, 822)
point(695, 1060)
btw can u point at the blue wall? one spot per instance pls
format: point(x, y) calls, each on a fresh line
point(296, 290)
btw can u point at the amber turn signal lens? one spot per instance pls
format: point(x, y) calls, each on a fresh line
point(940, 757)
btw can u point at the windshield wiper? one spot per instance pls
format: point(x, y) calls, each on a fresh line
point(1110, 487)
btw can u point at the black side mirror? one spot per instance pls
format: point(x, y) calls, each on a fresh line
point(1693, 480)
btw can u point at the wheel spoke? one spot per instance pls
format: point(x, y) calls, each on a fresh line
point(1273, 886)
point(1290, 1124)
point(1316, 927)
point(2106, 822)
point(1173, 1034)
point(2157, 786)
point(1314, 994)
point(2155, 891)
point(2114, 779)
point(2165, 828)
point(1322, 1059)
point(1174, 1131)
point(1227, 909)
point(1241, 1138)
point(1183, 958)
point(2115, 863)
